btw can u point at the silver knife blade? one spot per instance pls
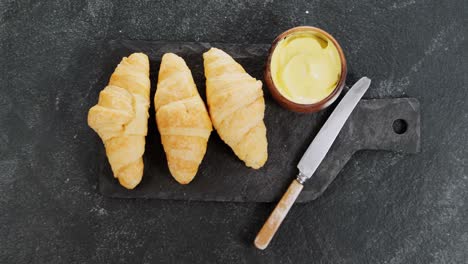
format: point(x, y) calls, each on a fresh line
point(319, 147)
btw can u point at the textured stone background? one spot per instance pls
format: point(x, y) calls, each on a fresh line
point(383, 207)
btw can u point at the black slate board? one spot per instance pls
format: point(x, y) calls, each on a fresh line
point(222, 177)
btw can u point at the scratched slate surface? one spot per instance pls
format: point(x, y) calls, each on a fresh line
point(221, 176)
point(383, 207)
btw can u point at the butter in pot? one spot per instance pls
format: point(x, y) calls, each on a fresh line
point(305, 67)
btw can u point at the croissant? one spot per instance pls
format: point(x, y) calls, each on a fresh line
point(120, 118)
point(237, 107)
point(181, 117)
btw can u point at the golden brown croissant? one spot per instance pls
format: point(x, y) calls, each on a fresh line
point(121, 118)
point(182, 118)
point(237, 107)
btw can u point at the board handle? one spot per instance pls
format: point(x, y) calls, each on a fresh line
point(276, 217)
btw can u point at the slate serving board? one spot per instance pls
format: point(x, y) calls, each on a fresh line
point(222, 176)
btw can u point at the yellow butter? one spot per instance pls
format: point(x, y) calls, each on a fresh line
point(305, 67)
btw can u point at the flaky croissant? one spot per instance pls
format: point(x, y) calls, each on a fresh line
point(236, 106)
point(121, 118)
point(182, 118)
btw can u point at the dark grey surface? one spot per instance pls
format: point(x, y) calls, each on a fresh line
point(382, 208)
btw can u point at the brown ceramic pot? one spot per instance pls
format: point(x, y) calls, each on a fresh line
point(305, 108)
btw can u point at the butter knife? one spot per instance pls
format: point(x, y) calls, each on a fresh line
point(311, 159)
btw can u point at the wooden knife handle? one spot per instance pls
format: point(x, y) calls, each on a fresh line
point(277, 216)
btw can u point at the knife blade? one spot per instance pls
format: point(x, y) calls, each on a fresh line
point(311, 159)
point(319, 147)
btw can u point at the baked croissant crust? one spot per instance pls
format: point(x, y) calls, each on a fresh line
point(121, 118)
point(182, 118)
point(237, 107)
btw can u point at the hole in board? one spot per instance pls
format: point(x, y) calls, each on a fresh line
point(400, 126)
